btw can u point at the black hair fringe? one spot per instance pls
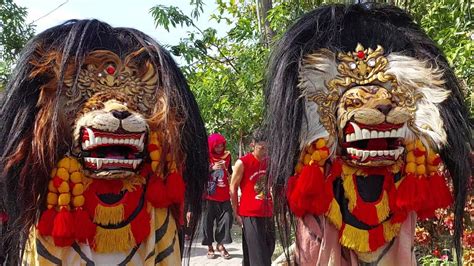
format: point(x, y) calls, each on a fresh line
point(340, 28)
point(18, 110)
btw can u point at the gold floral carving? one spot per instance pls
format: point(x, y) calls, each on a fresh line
point(104, 70)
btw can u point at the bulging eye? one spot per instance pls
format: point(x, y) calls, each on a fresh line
point(354, 103)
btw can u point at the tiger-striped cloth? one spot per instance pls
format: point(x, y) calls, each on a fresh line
point(160, 248)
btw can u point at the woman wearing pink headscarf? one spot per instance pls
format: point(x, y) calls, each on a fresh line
point(218, 206)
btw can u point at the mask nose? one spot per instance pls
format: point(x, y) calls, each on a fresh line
point(120, 114)
point(384, 108)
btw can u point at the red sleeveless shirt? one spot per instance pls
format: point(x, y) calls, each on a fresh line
point(254, 201)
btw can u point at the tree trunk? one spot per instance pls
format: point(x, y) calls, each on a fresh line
point(269, 33)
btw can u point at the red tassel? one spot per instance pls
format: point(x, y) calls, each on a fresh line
point(84, 228)
point(290, 186)
point(438, 196)
point(63, 229)
point(439, 187)
point(309, 193)
point(376, 238)
point(156, 193)
point(398, 217)
point(407, 197)
point(424, 192)
point(175, 187)
point(45, 223)
point(141, 226)
point(425, 214)
point(294, 201)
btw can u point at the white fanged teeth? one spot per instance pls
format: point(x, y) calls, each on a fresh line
point(104, 162)
point(351, 150)
point(91, 136)
point(365, 134)
point(357, 131)
point(364, 154)
point(398, 152)
point(98, 162)
point(393, 133)
point(136, 163)
point(97, 141)
point(374, 134)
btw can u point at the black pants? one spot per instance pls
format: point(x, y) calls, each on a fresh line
point(221, 213)
point(258, 240)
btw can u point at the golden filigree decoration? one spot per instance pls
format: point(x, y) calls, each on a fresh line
point(359, 67)
point(105, 70)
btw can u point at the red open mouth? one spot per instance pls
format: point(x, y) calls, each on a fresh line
point(381, 142)
point(112, 150)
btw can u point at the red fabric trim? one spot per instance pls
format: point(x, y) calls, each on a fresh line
point(376, 238)
point(140, 226)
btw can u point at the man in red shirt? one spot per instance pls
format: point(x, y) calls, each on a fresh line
point(255, 209)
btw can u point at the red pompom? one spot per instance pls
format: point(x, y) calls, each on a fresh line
point(438, 196)
point(407, 194)
point(419, 152)
point(441, 195)
point(57, 181)
point(152, 147)
point(84, 228)
point(309, 194)
point(63, 229)
point(175, 188)
point(156, 193)
point(46, 222)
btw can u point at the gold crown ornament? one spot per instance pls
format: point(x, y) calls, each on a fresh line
point(105, 70)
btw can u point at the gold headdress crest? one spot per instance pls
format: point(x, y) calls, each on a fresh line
point(104, 70)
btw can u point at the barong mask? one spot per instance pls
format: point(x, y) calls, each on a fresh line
point(367, 117)
point(96, 139)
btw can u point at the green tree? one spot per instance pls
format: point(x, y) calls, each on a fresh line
point(14, 33)
point(451, 25)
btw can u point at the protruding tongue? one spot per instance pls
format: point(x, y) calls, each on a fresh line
point(377, 144)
